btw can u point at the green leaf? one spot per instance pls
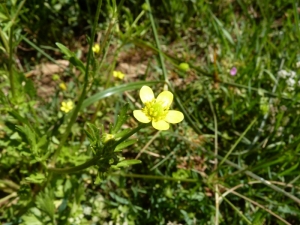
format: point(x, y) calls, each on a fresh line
point(119, 199)
point(92, 133)
point(126, 163)
point(65, 50)
point(36, 178)
point(72, 57)
point(125, 144)
point(30, 136)
point(259, 218)
point(31, 219)
point(122, 133)
point(228, 36)
point(45, 202)
point(289, 170)
point(29, 88)
point(122, 117)
point(3, 17)
point(116, 90)
point(77, 63)
point(98, 179)
point(42, 141)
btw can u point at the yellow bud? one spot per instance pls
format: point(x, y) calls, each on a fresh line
point(184, 67)
point(107, 137)
point(96, 48)
point(63, 86)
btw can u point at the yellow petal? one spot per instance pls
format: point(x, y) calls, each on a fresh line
point(146, 94)
point(166, 97)
point(70, 104)
point(174, 116)
point(140, 116)
point(160, 125)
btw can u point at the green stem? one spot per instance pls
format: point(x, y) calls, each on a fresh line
point(153, 177)
point(161, 57)
point(94, 160)
point(6, 198)
point(11, 76)
point(238, 141)
point(238, 211)
point(296, 14)
point(84, 89)
point(256, 177)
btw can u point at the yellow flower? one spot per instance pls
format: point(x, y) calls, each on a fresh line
point(67, 106)
point(118, 74)
point(63, 86)
point(157, 110)
point(96, 48)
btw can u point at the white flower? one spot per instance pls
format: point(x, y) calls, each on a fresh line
point(291, 82)
point(87, 210)
point(292, 74)
point(283, 74)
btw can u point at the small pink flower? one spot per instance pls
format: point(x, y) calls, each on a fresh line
point(233, 71)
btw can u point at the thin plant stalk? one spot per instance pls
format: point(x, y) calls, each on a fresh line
point(216, 159)
point(247, 172)
point(238, 141)
point(11, 75)
point(154, 177)
point(161, 57)
point(84, 88)
point(257, 204)
point(238, 211)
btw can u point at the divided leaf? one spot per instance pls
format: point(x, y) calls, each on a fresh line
point(36, 178)
point(45, 202)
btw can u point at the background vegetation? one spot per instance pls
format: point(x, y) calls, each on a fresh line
point(234, 159)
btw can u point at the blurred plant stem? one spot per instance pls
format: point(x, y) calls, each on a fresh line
point(9, 48)
point(161, 57)
point(84, 88)
point(11, 75)
point(155, 177)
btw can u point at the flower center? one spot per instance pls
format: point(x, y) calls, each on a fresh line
point(155, 110)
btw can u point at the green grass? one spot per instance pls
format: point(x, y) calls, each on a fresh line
point(233, 160)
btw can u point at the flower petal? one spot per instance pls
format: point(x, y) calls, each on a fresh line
point(174, 116)
point(146, 94)
point(140, 116)
point(166, 97)
point(160, 125)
